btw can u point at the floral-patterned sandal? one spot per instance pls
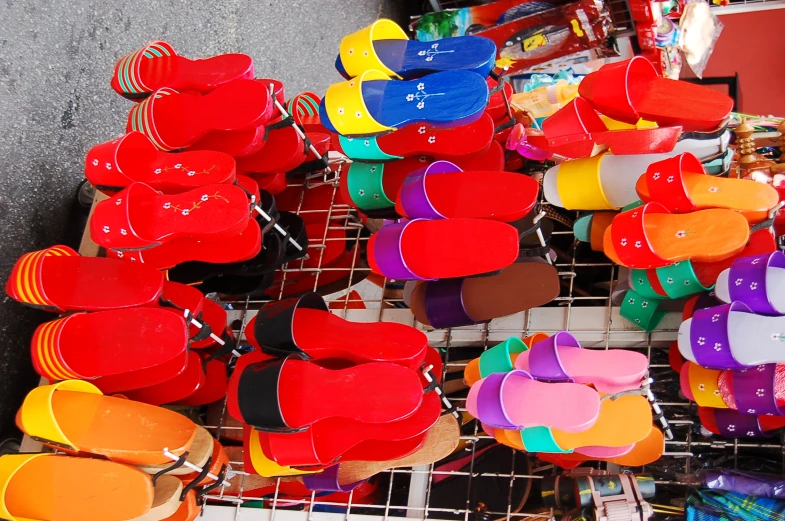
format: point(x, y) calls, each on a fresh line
point(758, 281)
point(372, 104)
point(174, 120)
point(112, 166)
point(139, 217)
point(729, 423)
point(157, 65)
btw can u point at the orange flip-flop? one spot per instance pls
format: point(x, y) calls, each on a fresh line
point(50, 487)
point(74, 416)
point(681, 185)
point(651, 237)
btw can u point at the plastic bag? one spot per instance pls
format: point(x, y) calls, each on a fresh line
point(699, 30)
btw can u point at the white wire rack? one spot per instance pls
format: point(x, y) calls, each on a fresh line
point(585, 307)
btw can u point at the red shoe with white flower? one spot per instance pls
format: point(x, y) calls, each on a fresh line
point(139, 217)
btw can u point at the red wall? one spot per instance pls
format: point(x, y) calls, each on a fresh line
point(749, 45)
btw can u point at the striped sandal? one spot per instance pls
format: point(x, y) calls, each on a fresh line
point(157, 65)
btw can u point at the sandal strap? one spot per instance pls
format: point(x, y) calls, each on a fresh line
point(628, 233)
point(142, 118)
point(388, 254)
point(10, 464)
point(545, 361)
point(679, 280)
point(645, 312)
point(37, 416)
point(257, 397)
point(47, 360)
point(490, 409)
point(101, 166)
point(274, 324)
point(540, 439)
point(704, 386)
point(444, 304)
point(498, 359)
point(665, 181)
point(25, 284)
point(574, 123)
point(579, 184)
point(358, 53)
point(414, 193)
point(747, 281)
point(304, 108)
point(111, 225)
point(365, 149)
point(347, 110)
point(612, 94)
point(127, 70)
point(754, 390)
point(366, 186)
point(709, 337)
point(327, 481)
point(733, 424)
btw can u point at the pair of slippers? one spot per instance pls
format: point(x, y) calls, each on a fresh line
point(450, 88)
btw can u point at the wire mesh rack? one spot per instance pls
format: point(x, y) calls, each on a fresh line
point(587, 307)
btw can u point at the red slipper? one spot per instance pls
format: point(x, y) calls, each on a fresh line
point(214, 316)
point(288, 394)
point(174, 389)
point(139, 217)
point(181, 297)
point(283, 151)
point(213, 388)
point(491, 159)
point(576, 129)
point(158, 65)
point(733, 424)
point(497, 107)
point(112, 166)
point(174, 120)
point(273, 183)
point(76, 347)
point(373, 450)
point(59, 279)
point(441, 190)
point(305, 326)
point(446, 248)
point(147, 377)
point(326, 440)
point(632, 89)
point(236, 143)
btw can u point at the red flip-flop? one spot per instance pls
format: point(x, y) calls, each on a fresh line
point(112, 166)
point(442, 190)
point(328, 439)
point(180, 387)
point(158, 65)
point(283, 151)
point(304, 326)
point(83, 346)
point(288, 394)
point(632, 89)
point(213, 388)
point(140, 217)
point(174, 120)
point(445, 248)
point(214, 316)
point(59, 279)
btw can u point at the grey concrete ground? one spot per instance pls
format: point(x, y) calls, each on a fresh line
point(56, 60)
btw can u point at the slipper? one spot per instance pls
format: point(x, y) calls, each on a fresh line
point(63, 349)
point(499, 358)
point(591, 228)
point(214, 315)
point(374, 186)
point(158, 65)
point(214, 387)
point(200, 450)
point(145, 377)
point(731, 336)
point(113, 166)
point(465, 301)
point(255, 461)
point(644, 452)
point(216, 250)
point(652, 237)
point(687, 278)
point(217, 464)
point(362, 393)
point(42, 487)
point(424, 250)
point(283, 151)
point(328, 440)
point(442, 190)
point(139, 217)
point(500, 95)
point(682, 185)
point(508, 401)
point(174, 120)
point(305, 327)
point(602, 182)
point(235, 143)
point(726, 382)
point(701, 385)
point(576, 130)
point(416, 140)
point(733, 424)
point(560, 358)
point(632, 89)
point(73, 415)
point(372, 104)
point(179, 387)
point(184, 299)
point(384, 46)
point(758, 281)
point(59, 279)
point(304, 109)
